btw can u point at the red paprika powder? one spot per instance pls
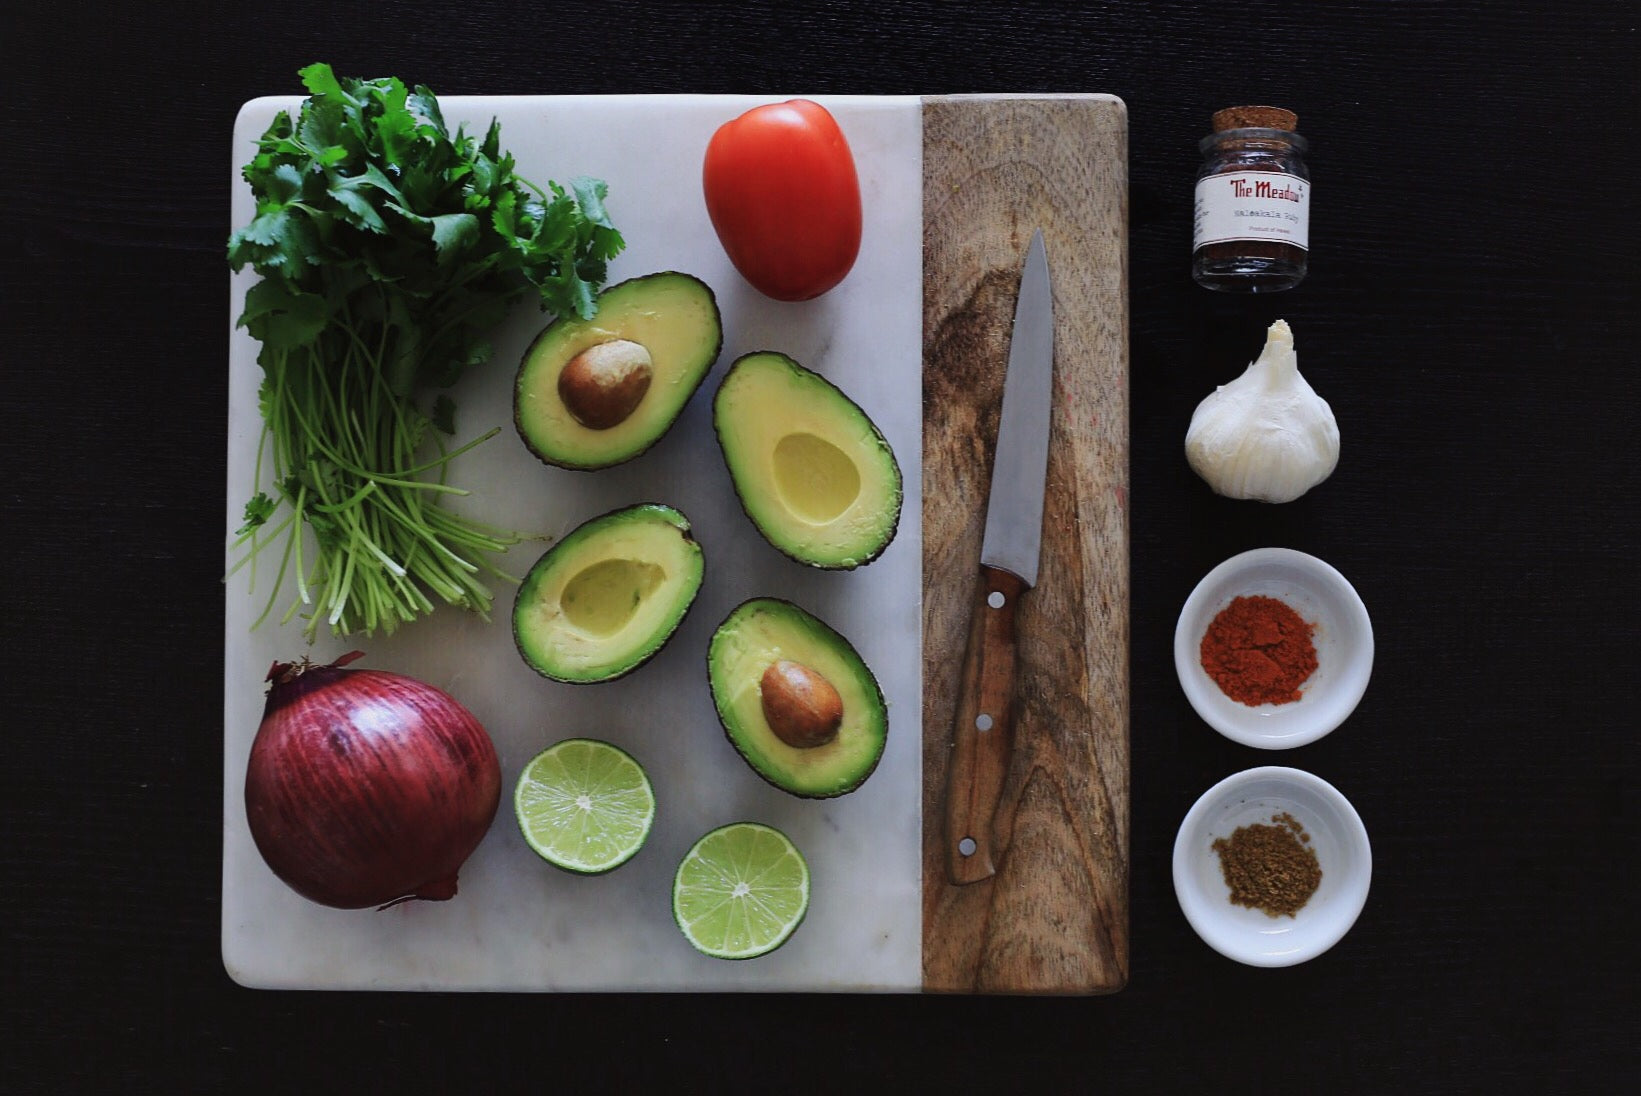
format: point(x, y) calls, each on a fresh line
point(1259, 651)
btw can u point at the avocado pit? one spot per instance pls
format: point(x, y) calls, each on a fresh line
point(800, 706)
point(603, 384)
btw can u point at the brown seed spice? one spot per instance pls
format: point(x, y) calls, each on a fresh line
point(1270, 867)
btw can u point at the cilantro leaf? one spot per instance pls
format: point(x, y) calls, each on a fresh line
point(453, 232)
point(425, 103)
point(356, 209)
point(321, 82)
point(257, 512)
point(281, 317)
point(590, 193)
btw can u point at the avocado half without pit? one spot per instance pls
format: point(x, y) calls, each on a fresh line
point(812, 471)
point(601, 602)
point(592, 393)
point(796, 700)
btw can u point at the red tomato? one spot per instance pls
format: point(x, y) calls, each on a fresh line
point(783, 195)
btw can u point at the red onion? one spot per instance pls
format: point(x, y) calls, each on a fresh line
point(367, 788)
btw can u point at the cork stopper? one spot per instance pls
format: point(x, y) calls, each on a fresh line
point(1255, 118)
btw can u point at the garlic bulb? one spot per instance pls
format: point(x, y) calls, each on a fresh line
point(1266, 435)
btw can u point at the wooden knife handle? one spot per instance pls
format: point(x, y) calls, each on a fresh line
point(983, 730)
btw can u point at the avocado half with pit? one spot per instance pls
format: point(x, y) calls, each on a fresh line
point(592, 393)
point(796, 700)
point(812, 470)
point(601, 602)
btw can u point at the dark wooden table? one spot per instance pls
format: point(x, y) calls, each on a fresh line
point(1471, 315)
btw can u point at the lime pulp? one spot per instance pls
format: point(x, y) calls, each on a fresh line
point(585, 806)
point(740, 891)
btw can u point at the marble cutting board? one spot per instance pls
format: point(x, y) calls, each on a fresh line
point(518, 924)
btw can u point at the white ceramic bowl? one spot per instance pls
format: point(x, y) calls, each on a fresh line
point(1343, 637)
point(1342, 851)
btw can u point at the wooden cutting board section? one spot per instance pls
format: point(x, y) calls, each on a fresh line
point(1054, 918)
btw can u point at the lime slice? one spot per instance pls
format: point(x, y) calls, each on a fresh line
point(741, 891)
point(585, 806)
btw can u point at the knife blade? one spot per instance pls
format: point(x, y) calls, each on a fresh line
point(1010, 554)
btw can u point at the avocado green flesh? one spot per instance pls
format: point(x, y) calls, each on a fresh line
point(812, 471)
point(607, 597)
point(760, 632)
point(673, 316)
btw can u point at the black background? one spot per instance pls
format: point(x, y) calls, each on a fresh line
point(1471, 315)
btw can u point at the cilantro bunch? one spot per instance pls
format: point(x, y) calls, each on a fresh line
point(388, 249)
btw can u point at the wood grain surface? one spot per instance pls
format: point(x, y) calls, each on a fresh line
point(1054, 917)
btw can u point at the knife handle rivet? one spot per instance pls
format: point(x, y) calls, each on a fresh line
point(982, 722)
point(967, 846)
point(996, 599)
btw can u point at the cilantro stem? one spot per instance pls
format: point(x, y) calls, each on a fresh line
point(345, 462)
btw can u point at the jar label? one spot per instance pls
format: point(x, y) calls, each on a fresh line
point(1252, 205)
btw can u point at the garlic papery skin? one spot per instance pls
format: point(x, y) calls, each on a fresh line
point(1266, 435)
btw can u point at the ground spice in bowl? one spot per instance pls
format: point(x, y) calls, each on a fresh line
point(1270, 867)
point(1258, 650)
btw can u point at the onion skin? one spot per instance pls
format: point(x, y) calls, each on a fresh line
point(367, 788)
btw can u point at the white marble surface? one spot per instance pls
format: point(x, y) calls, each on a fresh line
point(518, 924)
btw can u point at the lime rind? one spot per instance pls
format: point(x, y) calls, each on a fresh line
point(584, 805)
point(741, 891)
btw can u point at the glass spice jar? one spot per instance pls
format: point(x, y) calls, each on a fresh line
point(1251, 225)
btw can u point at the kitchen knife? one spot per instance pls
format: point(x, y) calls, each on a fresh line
point(983, 730)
